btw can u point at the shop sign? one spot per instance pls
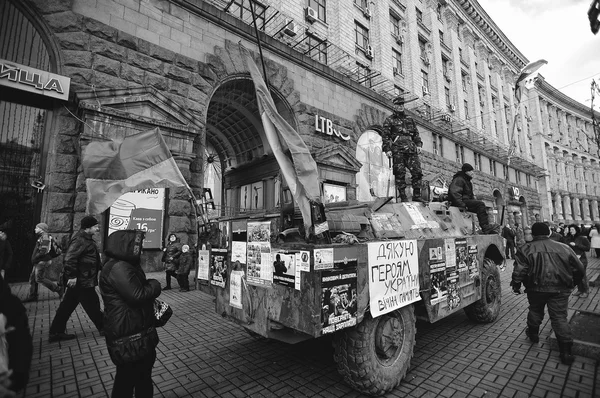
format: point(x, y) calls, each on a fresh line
point(325, 126)
point(142, 209)
point(515, 192)
point(26, 78)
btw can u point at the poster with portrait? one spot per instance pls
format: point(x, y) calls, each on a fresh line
point(284, 268)
point(472, 261)
point(239, 239)
point(235, 289)
point(461, 255)
point(323, 258)
point(218, 267)
point(334, 193)
point(140, 209)
point(437, 272)
point(452, 297)
point(258, 259)
point(203, 265)
point(338, 300)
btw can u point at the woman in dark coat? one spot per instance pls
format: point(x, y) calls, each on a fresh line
point(580, 245)
point(170, 258)
point(129, 329)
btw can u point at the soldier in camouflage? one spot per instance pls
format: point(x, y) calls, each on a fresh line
point(402, 143)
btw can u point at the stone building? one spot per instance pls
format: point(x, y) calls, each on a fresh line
point(332, 67)
point(562, 136)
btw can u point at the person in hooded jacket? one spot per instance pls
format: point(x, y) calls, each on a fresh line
point(42, 263)
point(18, 338)
point(461, 195)
point(183, 271)
point(170, 258)
point(580, 245)
point(129, 320)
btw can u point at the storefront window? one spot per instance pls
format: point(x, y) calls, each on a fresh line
point(375, 177)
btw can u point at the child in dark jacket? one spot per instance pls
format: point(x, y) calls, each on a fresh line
point(183, 271)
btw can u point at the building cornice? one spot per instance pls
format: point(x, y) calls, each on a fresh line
point(558, 99)
point(486, 25)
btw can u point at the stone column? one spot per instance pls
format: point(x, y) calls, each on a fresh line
point(558, 210)
point(585, 203)
point(576, 211)
point(566, 204)
point(594, 214)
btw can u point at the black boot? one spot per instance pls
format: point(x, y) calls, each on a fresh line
point(417, 195)
point(565, 353)
point(533, 334)
point(402, 195)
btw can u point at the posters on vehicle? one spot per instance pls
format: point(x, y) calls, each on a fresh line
point(218, 267)
point(323, 258)
point(338, 299)
point(302, 264)
point(393, 272)
point(258, 260)
point(472, 261)
point(345, 257)
point(437, 272)
point(203, 265)
point(239, 244)
point(284, 266)
point(453, 297)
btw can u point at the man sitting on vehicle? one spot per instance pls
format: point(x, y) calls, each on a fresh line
point(461, 195)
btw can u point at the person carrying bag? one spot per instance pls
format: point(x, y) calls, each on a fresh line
point(129, 319)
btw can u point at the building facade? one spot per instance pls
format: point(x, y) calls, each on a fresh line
point(332, 67)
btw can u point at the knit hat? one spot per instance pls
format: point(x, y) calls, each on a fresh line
point(88, 222)
point(43, 226)
point(540, 229)
point(467, 167)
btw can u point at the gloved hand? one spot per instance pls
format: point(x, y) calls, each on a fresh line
point(516, 287)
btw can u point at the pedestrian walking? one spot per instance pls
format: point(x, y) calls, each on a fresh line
point(549, 270)
point(461, 195)
point(183, 271)
point(580, 245)
point(402, 143)
point(170, 258)
point(81, 269)
point(41, 259)
point(128, 297)
point(15, 343)
point(595, 239)
point(6, 253)
point(509, 234)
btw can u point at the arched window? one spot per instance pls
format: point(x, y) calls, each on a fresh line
point(375, 178)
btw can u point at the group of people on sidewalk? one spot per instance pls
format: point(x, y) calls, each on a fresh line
point(128, 319)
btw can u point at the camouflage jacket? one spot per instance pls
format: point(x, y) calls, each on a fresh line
point(400, 134)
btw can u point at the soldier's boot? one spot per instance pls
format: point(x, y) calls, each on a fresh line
point(417, 195)
point(402, 194)
point(533, 334)
point(565, 353)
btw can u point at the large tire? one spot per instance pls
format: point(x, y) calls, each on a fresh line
point(373, 357)
point(486, 309)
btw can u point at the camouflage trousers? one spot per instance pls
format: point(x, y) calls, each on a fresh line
point(410, 161)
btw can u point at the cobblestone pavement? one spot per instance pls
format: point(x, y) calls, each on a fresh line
point(204, 355)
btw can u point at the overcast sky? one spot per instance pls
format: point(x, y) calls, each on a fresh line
point(557, 31)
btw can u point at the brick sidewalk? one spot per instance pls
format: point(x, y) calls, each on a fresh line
point(204, 355)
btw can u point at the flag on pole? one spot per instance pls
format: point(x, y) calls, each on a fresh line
point(300, 172)
point(112, 168)
point(529, 69)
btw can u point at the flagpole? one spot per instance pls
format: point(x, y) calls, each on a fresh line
point(262, 59)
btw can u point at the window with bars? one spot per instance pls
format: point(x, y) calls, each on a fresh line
point(241, 9)
point(425, 79)
point(364, 75)
point(460, 153)
point(317, 49)
point(319, 6)
point(493, 168)
point(361, 35)
point(477, 161)
point(397, 61)
point(438, 145)
point(395, 22)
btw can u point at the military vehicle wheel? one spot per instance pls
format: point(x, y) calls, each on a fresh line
point(486, 309)
point(373, 357)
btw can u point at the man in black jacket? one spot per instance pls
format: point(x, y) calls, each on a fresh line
point(461, 195)
point(549, 270)
point(509, 234)
point(82, 265)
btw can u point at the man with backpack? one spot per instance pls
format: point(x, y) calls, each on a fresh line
point(44, 251)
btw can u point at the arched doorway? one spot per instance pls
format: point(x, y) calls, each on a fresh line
point(24, 121)
point(239, 167)
point(375, 178)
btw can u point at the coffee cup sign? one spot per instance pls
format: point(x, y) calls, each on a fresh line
point(141, 209)
point(393, 275)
